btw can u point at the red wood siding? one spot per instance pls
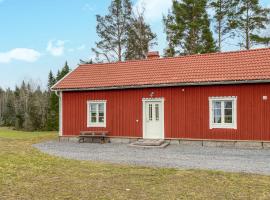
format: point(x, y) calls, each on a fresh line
point(186, 111)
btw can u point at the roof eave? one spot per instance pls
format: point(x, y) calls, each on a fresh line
point(52, 88)
point(163, 85)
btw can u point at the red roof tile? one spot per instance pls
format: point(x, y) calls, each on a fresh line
point(198, 69)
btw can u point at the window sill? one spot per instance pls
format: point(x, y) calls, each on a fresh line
point(223, 127)
point(96, 126)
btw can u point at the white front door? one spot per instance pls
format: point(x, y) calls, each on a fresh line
point(153, 119)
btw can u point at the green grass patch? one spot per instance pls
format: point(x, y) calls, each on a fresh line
point(13, 134)
point(26, 173)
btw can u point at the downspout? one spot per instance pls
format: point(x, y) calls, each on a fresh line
point(59, 94)
point(56, 93)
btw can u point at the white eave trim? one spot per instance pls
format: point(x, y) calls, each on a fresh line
point(164, 85)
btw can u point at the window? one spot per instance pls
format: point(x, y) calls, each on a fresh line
point(157, 112)
point(96, 114)
point(223, 112)
point(150, 112)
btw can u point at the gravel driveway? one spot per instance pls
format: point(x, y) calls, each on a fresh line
point(174, 156)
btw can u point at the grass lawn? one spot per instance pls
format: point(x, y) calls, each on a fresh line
point(26, 173)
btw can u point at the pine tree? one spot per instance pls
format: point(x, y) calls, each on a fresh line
point(35, 112)
point(51, 80)
point(64, 71)
point(171, 32)
point(223, 11)
point(58, 75)
point(112, 30)
point(52, 118)
point(53, 100)
point(264, 40)
point(140, 38)
point(20, 106)
point(52, 103)
point(207, 41)
point(2, 104)
point(9, 115)
point(86, 62)
point(188, 28)
point(169, 51)
point(248, 20)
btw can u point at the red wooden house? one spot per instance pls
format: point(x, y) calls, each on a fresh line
point(220, 96)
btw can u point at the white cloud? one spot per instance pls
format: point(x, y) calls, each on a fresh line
point(154, 9)
point(56, 47)
point(82, 47)
point(79, 48)
point(88, 7)
point(22, 54)
point(71, 50)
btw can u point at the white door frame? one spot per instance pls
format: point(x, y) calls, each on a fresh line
point(161, 100)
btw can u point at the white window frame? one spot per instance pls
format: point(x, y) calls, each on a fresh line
point(223, 125)
point(96, 124)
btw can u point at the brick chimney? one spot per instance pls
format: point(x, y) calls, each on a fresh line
point(153, 55)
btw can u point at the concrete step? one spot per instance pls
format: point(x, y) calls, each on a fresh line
point(150, 143)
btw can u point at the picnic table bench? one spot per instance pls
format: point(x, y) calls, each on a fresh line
point(101, 135)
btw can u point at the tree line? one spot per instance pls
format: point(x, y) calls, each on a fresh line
point(30, 108)
point(125, 35)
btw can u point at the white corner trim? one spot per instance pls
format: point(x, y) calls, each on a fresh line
point(234, 113)
point(61, 114)
point(101, 125)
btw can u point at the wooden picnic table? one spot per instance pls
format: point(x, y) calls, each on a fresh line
point(101, 135)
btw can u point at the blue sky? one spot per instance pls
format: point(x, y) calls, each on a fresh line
point(36, 36)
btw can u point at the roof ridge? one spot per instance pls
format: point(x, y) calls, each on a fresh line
point(179, 57)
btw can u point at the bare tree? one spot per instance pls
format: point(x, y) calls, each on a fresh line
point(112, 30)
